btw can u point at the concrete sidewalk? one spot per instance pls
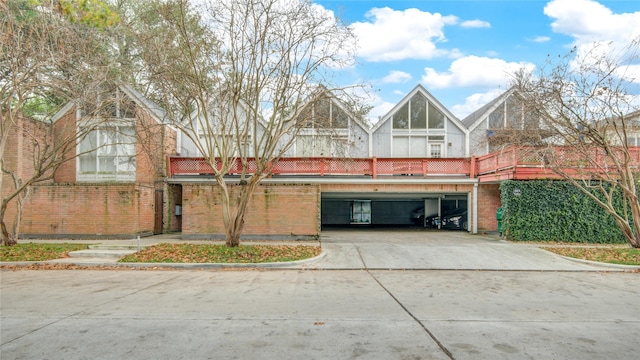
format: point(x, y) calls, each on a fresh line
point(375, 249)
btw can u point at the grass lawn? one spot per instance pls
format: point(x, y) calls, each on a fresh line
point(38, 252)
point(215, 253)
point(613, 255)
point(246, 254)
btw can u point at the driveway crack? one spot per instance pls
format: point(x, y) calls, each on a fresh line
point(431, 335)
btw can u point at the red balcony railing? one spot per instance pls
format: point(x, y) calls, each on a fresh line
point(510, 163)
point(526, 163)
point(333, 166)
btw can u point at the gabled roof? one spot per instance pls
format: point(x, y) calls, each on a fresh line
point(475, 118)
point(156, 112)
point(420, 89)
point(64, 110)
point(242, 104)
point(341, 104)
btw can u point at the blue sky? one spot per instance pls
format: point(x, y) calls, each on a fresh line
point(462, 51)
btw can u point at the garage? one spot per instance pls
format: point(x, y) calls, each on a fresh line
point(377, 210)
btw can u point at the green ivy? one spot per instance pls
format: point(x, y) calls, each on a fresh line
point(555, 211)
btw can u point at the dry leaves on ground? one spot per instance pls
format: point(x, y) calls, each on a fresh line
point(625, 256)
point(215, 253)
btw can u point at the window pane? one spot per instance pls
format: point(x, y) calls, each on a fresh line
point(322, 115)
point(436, 150)
point(305, 119)
point(514, 113)
point(127, 107)
point(89, 143)
point(125, 141)
point(531, 121)
point(436, 118)
point(418, 112)
point(88, 163)
point(340, 118)
point(401, 118)
point(496, 119)
point(107, 164)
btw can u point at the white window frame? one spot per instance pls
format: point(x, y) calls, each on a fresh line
point(100, 152)
point(435, 150)
point(120, 125)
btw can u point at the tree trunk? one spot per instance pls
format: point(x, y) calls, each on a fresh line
point(10, 238)
point(7, 238)
point(233, 212)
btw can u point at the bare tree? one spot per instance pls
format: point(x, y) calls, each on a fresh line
point(45, 61)
point(586, 100)
point(235, 78)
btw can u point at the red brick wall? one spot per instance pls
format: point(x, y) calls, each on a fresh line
point(19, 150)
point(68, 210)
point(18, 157)
point(488, 204)
point(65, 128)
point(153, 143)
point(274, 210)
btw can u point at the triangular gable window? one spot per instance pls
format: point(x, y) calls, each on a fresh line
point(417, 113)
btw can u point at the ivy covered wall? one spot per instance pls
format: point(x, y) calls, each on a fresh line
point(554, 211)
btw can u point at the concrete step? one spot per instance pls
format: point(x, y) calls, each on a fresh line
point(101, 253)
point(114, 247)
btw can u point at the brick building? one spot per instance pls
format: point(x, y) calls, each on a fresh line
point(136, 175)
point(113, 185)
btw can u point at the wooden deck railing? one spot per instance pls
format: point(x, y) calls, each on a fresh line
point(373, 167)
point(532, 162)
point(513, 162)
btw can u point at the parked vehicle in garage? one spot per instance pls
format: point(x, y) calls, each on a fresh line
point(456, 219)
point(417, 216)
point(432, 221)
point(451, 219)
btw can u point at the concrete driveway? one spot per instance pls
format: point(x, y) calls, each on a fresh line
point(436, 250)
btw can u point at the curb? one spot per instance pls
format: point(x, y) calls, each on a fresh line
point(272, 265)
point(600, 264)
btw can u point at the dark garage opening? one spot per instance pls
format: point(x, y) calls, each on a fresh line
point(365, 210)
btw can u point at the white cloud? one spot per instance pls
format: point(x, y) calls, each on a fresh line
point(393, 35)
point(541, 39)
point(473, 71)
point(379, 110)
point(598, 33)
point(630, 72)
point(587, 21)
point(370, 97)
point(475, 24)
point(396, 77)
point(475, 102)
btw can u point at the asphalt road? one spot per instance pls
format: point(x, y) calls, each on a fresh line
point(326, 313)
